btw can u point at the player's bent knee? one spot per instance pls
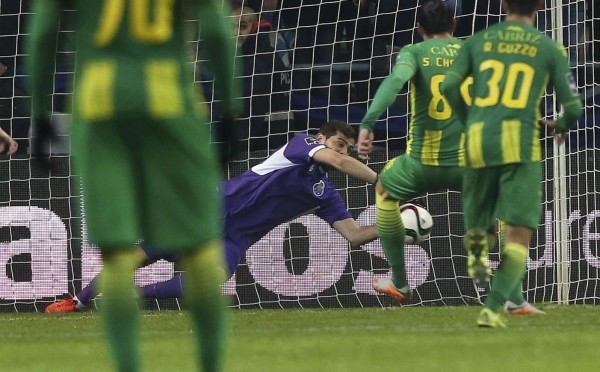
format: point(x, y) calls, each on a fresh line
point(385, 204)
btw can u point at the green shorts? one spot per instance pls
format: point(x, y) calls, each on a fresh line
point(148, 179)
point(405, 178)
point(511, 193)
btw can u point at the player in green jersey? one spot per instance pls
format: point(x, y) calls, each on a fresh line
point(141, 147)
point(511, 64)
point(434, 159)
point(435, 153)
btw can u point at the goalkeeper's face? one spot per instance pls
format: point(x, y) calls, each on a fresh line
point(338, 142)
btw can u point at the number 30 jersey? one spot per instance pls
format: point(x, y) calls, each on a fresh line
point(511, 63)
point(435, 133)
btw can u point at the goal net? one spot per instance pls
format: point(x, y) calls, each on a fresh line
point(302, 64)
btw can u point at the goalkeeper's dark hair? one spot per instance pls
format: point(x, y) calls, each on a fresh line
point(332, 127)
point(435, 17)
point(522, 7)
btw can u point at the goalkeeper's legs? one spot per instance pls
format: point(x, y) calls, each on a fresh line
point(390, 230)
point(119, 309)
point(202, 292)
point(90, 291)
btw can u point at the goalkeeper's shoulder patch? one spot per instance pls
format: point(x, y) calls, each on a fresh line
point(311, 141)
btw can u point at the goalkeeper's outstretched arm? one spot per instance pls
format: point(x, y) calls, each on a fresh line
point(346, 164)
point(355, 234)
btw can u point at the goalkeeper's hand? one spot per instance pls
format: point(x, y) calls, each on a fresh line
point(43, 136)
point(226, 137)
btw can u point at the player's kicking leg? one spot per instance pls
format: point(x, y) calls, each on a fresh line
point(390, 230)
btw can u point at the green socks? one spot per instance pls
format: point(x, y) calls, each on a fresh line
point(516, 295)
point(390, 230)
point(119, 309)
point(202, 294)
point(508, 276)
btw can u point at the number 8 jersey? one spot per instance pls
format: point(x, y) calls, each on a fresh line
point(435, 134)
point(511, 63)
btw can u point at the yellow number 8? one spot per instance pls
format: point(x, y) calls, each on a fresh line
point(439, 108)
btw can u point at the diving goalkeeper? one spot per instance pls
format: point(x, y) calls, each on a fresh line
point(290, 183)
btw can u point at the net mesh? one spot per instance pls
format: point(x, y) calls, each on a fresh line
point(305, 65)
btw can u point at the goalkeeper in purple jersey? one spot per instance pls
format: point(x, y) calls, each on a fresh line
point(511, 63)
point(290, 183)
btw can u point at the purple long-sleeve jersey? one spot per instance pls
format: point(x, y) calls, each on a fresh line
point(286, 185)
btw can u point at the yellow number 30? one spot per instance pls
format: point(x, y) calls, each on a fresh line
point(141, 27)
point(512, 97)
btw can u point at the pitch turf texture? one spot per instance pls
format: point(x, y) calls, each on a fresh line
point(393, 339)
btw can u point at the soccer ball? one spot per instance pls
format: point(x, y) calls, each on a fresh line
point(417, 223)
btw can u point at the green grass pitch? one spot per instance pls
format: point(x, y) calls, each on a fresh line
point(393, 339)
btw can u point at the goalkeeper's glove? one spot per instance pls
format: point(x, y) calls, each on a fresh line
point(226, 138)
point(43, 136)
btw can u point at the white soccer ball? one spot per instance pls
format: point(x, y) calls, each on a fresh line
point(417, 223)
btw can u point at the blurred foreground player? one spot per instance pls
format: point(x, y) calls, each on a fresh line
point(141, 147)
